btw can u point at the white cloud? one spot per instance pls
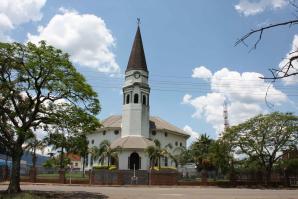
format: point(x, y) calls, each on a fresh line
point(249, 7)
point(294, 52)
point(193, 135)
point(201, 72)
point(17, 12)
point(84, 36)
point(245, 93)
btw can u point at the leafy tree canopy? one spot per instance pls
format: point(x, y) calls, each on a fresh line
point(34, 80)
point(264, 138)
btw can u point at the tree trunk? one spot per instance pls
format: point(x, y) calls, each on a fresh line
point(33, 170)
point(14, 185)
point(109, 161)
point(159, 166)
point(84, 161)
point(34, 157)
point(268, 175)
point(62, 158)
point(6, 160)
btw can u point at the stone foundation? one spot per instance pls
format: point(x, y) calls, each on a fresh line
point(126, 177)
point(167, 177)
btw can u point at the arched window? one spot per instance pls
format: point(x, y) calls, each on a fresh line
point(127, 98)
point(144, 99)
point(136, 99)
point(134, 161)
point(166, 161)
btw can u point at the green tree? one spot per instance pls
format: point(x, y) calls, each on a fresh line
point(81, 147)
point(220, 154)
point(263, 138)
point(55, 162)
point(33, 79)
point(182, 156)
point(60, 143)
point(105, 151)
point(200, 152)
point(69, 133)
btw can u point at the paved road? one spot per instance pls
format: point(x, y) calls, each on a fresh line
point(170, 192)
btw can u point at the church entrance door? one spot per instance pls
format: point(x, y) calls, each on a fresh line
point(134, 161)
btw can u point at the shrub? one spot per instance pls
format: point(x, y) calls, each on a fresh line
point(98, 167)
point(165, 168)
point(112, 167)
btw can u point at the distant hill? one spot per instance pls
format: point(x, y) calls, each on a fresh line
point(40, 158)
point(28, 158)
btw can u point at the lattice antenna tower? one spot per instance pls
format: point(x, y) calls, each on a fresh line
point(226, 115)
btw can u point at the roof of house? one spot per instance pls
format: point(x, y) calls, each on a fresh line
point(157, 123)
point(137, 60)
point(132, 142)
point(73, 157)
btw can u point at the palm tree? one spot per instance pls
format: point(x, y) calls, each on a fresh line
point(33, 145)
point(59, 141)
point(181, 155)
point(80, 147)
point(105, 151)
point(156, 152)
point(200, 151)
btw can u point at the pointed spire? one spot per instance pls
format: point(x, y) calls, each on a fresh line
point(137, 60)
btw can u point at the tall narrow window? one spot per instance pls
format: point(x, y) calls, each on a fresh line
point(144, 99)
point(136, 99)
point(127, 98)
point(91, 163)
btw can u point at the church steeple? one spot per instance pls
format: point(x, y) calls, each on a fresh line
point(136, 92)
point(137, 60)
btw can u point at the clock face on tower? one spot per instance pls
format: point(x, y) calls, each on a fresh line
point(137, 75)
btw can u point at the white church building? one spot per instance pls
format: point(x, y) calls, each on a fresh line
point(135, 129)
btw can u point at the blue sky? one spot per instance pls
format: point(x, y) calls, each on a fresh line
point(178, 37)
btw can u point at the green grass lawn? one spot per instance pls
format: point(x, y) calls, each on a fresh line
point(56, 175)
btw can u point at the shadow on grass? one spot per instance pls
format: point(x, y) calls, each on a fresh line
point(52, 194)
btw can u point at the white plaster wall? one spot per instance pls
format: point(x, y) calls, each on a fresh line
point(98, 137)
point(135, 120)
point(135, 117)
point(172, 139)
point(123, 159)
point(130, 79)
point(79, 166)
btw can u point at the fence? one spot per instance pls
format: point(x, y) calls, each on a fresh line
point(122, 177)
point(237, 179)
point(138, 177)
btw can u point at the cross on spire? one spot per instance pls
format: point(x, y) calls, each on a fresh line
point(138, 21)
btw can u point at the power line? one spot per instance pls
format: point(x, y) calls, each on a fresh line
point(172, 76)
point(203, 91)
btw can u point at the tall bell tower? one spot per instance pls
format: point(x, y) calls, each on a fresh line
point(136, 90)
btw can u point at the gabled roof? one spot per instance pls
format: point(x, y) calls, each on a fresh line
point(132, 142)
point(137, 60)
point(157, 123)
point(114, 121)
point(73, 157)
